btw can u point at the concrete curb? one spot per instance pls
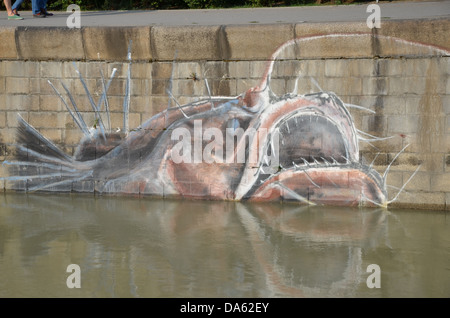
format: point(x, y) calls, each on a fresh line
point(212, 43)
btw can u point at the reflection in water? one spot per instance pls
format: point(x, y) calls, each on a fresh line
point(129, 247)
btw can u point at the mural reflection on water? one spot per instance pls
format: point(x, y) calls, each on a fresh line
point(159, 248)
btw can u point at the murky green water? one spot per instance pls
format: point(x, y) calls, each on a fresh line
point(128, 247)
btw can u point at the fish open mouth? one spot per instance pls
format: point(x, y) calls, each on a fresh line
point(313, 155)
point(308, 138)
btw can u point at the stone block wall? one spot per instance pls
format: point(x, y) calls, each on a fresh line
point(404, 86)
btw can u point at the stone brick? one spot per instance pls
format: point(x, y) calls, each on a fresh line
point(134, 120)
point(278, 86)
point(412, 104)
point(262, 44)
point(258, 68)
point(416, 67)
point(141, 70)
point(71, 136)
point(183, 88)
point(416, 144)
point(392, 67)
point(51, 134)
point(447, 87)
point(376, 85)
point(117, 87)
point(335, 46)
point(189, 44)
point(394, 182)
point(140, 104)
point(45, 87)
point(22, 102)
point(244, 84)
point(312, 29)
point(446, 103)
point(2, 85)
point(69, 69)
point(8, 135)
point(162, 70)
point(82, 102)
point(374, 123)
point(11, 118)
point(397, 86)
point(50, 103)
point(139, 87)
point(8, 49)
point(94, 70)
point(343, 86)
point(437, 142)
point(222, 87)
point(49, 43)
point(406, 162)
point(394, 105)
point(93, 85)
point(419, 182)
point(84, 186)
point(21, 68)
point(158, 103)
point(440, 182)
point(448, 123)
point(111, 43)
point(239, 69)
point(420, 200)
point(187, 70)
point(360, 67)
point(17, 85)
point(336, 68)
point(48, 120)
point(315, 68)
point(115, 103)
point(283, 69)
point(447, 144)
point(2, 119)
point(414, 85)
point(35, 86)
point(51, 69)
point(403, 124)
point(385, 145)
point(433, 162)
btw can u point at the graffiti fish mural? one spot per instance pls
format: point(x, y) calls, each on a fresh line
point(256, 146)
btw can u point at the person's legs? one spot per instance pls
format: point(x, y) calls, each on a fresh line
point(35, 6)
point(43, 6)
point(8, 7)
point(16, 4)
point(11, 15)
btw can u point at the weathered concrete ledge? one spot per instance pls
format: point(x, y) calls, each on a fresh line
point(211, 43)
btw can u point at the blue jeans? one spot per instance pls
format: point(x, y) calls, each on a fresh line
point(36, 5)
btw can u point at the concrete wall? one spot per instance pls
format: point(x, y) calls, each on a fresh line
point(404, 82)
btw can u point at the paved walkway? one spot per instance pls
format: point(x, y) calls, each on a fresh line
point(348, 13)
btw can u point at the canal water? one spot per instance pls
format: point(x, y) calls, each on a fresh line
point(129, 247)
